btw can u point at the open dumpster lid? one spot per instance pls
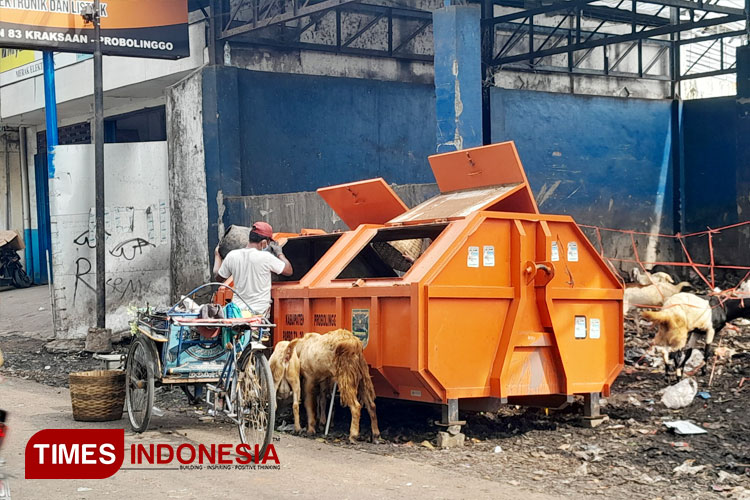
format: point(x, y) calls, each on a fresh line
point(483, 178)
point(364, 202)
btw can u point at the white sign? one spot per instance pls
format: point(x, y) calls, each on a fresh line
point(572, 251)
point(489, 256)
point(555, 252)
point(580, 329)
point(594, 329)
point(473, 258)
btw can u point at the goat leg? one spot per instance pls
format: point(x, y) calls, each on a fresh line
point(295, 403)
point(373, 422)
point(310, 404)
point(667, 362)
point(356, 409)
point(322, 400)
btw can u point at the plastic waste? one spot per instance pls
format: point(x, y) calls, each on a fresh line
point(685, 428)
point(234, 237)
point(694, 362)
point(680, 394)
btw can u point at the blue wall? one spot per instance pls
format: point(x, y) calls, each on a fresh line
point(605, 160)
point(303, 132)
point(267, 133)
point(710, 162)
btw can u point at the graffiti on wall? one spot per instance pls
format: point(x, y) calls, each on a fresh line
point(137, 241)
point(122, 221)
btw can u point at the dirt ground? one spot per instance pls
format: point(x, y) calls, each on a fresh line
point(308, 469)
point(633, 455)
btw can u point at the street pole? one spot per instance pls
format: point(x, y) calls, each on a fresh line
point(99, 171)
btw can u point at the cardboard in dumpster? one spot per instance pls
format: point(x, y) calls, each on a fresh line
point(13, 239)
point(685, 428)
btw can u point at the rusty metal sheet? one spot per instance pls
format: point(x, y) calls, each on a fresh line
point(364, 202)
point(456, 204)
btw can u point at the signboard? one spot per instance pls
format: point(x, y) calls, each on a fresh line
point(17, 65)
point(137, 28)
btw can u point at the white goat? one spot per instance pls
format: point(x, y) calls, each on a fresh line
point(645, 278)
point(651, 295)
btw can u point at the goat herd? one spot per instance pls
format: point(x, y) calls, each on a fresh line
point(337, 357)
point(683, 317)
point(322, 360)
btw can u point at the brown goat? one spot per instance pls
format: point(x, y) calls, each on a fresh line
point(338, 356)
point(285, 369)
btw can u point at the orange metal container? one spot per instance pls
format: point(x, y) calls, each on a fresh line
point(504, 304)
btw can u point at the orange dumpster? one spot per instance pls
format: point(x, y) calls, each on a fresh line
point(471, 299)
point(498, 303)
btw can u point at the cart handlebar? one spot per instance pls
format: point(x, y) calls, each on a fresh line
point(212, 283)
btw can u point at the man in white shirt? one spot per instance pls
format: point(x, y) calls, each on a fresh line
point(251, 269)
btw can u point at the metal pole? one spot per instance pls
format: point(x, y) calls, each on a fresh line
point(99, 171)
point(25, 199)
point(50, 109)
point(488, 53)
point(8, 220)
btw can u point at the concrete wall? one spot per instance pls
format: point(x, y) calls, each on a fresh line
point(710, 161)
point(295, 211)
point(137, 221)
point(716, 187)
point(297, 133)
point(270, 139)
point(307, 62)
point(605, 161)
point(187, 180)
point(10, 182)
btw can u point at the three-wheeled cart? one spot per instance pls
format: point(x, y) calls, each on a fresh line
point(217, 360)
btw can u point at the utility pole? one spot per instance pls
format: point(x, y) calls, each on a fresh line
point(99, 171)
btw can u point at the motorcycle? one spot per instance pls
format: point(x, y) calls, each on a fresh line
point(11, 269)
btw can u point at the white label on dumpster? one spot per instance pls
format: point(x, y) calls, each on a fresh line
point(594, 329)
point(572, 251)
point(555, 252)
point(580, 327)
point(473, 259)
point(489, 256)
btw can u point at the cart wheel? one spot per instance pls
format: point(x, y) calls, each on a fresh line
point(255, 401)
point(139, 392)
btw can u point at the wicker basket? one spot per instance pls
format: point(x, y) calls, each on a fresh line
point(97, 396)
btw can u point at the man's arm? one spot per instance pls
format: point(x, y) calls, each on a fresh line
point(287, 265)
point(218, 261)
point(276, 249)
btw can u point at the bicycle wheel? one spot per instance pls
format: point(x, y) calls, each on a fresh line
point(139, 387)
point(255, 401)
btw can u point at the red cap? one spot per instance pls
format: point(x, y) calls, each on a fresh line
point(263, 229)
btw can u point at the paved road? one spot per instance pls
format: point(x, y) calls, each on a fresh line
point(309, 469)
point(26, 311)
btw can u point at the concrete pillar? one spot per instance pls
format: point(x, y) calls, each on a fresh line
point(458, 77)
point(222, 145)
